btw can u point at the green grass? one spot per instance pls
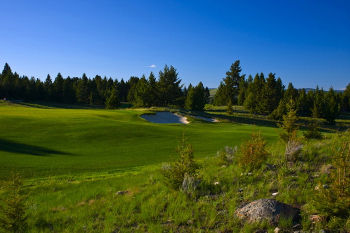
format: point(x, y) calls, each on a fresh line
point(75, 160)
point(42, 142)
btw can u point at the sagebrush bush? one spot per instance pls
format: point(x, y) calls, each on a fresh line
point(226, 155)
point(189, 185)
point(293, 150)
point(252, 153)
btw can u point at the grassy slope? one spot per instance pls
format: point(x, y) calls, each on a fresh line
point(49, 142)
point(88, 144)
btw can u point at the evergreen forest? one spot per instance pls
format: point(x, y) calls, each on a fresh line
point(259, 95)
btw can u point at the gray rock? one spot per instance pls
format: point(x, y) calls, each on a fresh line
point(121, 192)
point(269, 209)
point(271, 166)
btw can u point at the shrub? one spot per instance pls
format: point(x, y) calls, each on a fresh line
point(189, 185)
point(229, 109)
point(334, 201)
point(12, 207)
point(174, 172)
point(293, 150)
point(226, 155)
point(289, 126)
point(312, 131)
point(253, 152)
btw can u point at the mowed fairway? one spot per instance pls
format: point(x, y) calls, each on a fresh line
point(51, 142)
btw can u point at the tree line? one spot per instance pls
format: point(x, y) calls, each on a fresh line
point(141, 92)
point(269, 96)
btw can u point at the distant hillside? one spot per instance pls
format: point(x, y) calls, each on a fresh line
point(212, 92)
point(313, 89)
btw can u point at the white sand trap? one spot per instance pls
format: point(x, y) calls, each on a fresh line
point(165, 118)
point(206, 118)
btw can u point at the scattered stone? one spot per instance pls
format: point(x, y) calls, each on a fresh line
point(189, 222)
point(327, 169)
point(297, 226)
point(121, 192)
point(325, 186)
point(315, 218)
point(260, 231)
point(216, 183)
point(271, 166)
point(277, 230)
point(275, 194)
point(268, 209)
point(246, 174)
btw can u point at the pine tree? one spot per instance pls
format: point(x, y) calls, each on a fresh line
point(259, 87)
point(113, 101)
point(346, 98)
point(229, 109)
point(207, 95)
point(69, 96)
point(7, 82)
point(228, 89)
point(141, 93)
point(280, 111)
point(271, 94)
point(169, 87)
point(131, 92)
point(48, 88)
point(220, 95)
point(82, 91)
point(242, 92)
point(303, 105)
point(331, 107)
point(12, 206)
point(289, 126)
point(196, 98)
point(123, 90)
point(58, 88)
point(152, 90)
point(190, 100)
point(291, 93)
point(254, 100)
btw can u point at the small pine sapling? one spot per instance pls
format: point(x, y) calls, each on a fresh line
point(12, 207)
point(289, 127)
point(174, 172)
point(333, 202)
point(252, 153)
point(229, 109)
point(313, 126)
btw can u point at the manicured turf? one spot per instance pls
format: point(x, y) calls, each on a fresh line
point(49, 142)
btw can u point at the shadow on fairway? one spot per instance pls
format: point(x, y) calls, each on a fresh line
point(20, 148)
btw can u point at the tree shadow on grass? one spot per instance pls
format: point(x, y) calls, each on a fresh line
point(20, 148)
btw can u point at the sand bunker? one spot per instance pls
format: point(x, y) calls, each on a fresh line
point(206, 118)
point(165, 118)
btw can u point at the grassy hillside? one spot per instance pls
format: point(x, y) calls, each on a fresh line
point(75, 160)
point(49, 142)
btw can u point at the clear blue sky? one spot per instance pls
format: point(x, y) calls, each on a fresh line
point(304, 42)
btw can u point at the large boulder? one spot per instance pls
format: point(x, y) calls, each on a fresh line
point(267, 209)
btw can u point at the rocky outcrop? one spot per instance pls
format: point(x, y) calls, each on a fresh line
point(267, 209)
